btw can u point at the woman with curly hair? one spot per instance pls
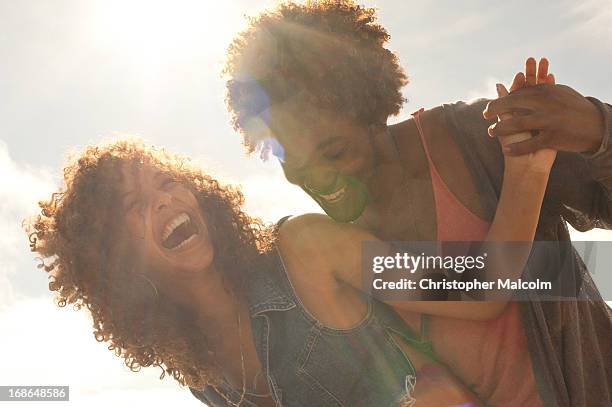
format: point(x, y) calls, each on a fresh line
point(176, 275)
point(314, 83)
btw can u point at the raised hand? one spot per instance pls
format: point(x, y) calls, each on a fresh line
point(564, 119)
point(532, 75)
point(540, 160)
point(530, 78)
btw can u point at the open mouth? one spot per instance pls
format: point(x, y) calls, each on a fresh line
point(179, 231)
point(334, 196)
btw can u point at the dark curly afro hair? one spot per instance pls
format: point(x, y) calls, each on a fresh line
point(75, 236)
point(319, 55)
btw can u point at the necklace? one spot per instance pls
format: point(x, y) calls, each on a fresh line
point(241, 363)
point(243, 370)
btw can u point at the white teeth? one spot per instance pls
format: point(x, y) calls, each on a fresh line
point(173, 224)
point(336, 196)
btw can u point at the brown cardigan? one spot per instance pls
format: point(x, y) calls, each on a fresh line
point(570, 341)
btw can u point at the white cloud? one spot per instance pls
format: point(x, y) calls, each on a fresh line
point(7, 296)
point(487, 89)
point(591, 23)
point(272, 197)
point(46, 345)
point(447, 28)
point(21, 186)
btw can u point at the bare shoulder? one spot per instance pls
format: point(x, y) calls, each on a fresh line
point(314, 251)
point(300, 233)
point(302, 225)
point(303, 221)
point(316, 225)
point(308, 262)
point(314, 231)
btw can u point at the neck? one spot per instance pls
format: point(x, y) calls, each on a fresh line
point(224, 320)
point(213, 300)
point(383, 146)
point(388, 170)
point(217, 312)
point(392, 168)
point(206, 294)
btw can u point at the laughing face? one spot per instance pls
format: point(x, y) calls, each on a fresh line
point(332, 161)
point(163, 221)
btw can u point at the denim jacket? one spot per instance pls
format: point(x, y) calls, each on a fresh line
point(309, 364)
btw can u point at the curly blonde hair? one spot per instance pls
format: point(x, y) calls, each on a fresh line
point(76, 237)
point(325, 54)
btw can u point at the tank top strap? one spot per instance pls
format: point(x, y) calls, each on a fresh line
point(278, 224)
point(282, 220)
point(419, 125)
point(425, 320)
point(424, 344)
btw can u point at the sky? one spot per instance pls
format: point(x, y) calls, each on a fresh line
point(76, 72)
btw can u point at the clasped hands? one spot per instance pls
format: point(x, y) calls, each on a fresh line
point(558, 117)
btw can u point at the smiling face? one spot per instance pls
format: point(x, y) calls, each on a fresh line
point(331, 160)
point(163, 221)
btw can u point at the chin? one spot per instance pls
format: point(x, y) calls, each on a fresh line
point(192, 261)
point(342, 216)
point(199, 262)
point(350, 208)
point(349, 212)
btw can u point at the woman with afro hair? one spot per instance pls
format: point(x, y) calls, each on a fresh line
point(176, 275)
point(314, 84)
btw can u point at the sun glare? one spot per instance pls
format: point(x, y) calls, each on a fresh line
point(150, 30)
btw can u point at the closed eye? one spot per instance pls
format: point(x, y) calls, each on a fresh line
point(336, 154)
point(131, 205)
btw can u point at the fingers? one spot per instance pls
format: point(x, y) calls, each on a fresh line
point(542, 71)
point(517, 124)
point(528, 146)
point(530, 71)
point(518, 82)
point(519, 101)
point(534, 74)
point(501, 90)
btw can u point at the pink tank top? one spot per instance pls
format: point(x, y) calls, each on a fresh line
point(455, 221)
point(490, 356)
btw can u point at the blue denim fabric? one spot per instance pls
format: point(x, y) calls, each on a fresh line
point(309, 364)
